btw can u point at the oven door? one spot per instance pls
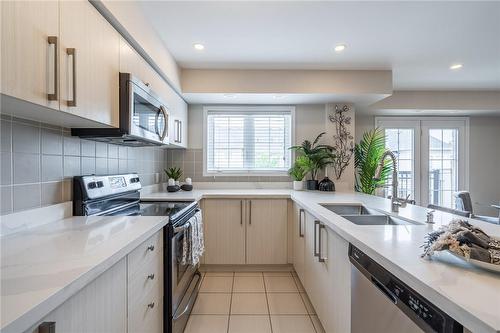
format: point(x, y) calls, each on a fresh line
point(148, 116)
point(185, 280)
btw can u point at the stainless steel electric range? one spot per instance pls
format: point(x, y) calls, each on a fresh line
point(112, 195)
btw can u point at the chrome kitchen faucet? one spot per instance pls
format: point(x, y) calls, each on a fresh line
point(395, 201)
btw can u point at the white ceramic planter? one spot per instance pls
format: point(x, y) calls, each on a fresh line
point(298, 185)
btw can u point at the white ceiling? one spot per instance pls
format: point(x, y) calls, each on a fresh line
point(417, 40)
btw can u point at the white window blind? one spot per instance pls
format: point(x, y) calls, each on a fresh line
point(248, 141)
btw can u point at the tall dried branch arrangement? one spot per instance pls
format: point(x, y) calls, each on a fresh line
point(343, 140)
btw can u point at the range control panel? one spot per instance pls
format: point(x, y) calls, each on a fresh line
point(423, 313)
point(94, 187)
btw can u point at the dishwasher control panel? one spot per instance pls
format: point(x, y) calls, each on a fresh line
point(421, 311)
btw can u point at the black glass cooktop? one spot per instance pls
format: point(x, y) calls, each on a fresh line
point(172, 209)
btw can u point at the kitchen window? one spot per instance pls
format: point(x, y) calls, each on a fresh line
point(432, 155)
point(247, 140)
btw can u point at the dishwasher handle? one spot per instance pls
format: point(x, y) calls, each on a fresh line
point(384, 290)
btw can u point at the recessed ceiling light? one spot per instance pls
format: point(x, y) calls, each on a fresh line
point(199, 47)
point(339, 48)
point(230, 95)
point(456, 66)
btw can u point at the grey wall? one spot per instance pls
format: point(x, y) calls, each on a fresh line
point(38, 162)
point(484, 159)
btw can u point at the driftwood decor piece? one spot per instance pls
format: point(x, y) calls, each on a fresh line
point(343, 141)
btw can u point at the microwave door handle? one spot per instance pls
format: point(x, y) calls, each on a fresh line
point(165, 120)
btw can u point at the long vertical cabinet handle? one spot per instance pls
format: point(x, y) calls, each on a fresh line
point(301, 212)
point(316, 253)
point(250, 212)
point(52, 40)
point(241, 212)
point(71, 52)
point(180, 131)
point(320, 255)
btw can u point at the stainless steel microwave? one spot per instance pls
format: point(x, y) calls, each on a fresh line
point(144, 117)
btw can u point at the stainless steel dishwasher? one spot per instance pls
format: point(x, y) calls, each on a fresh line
point(381, 303)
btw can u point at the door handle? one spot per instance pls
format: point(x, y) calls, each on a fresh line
point(165, 121)
point(250, 212)
point(301, 234)
point(241, 212)
point(320, 256)
point(52, 40)
point(180, 131)
point(71, 52)
point(316, 253)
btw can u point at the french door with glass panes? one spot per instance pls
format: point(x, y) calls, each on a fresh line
point(432, 157)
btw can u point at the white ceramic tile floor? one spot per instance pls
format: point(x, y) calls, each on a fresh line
point(252, 302)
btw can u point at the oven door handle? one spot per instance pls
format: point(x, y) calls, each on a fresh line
point(190, 300)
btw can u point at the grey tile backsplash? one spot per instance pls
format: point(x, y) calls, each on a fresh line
point(191, 163)
point(38, 161)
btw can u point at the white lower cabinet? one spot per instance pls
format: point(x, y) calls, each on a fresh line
point(101, 306)
point(245, 231)
point(326, 276)
point(145, 286)
point(128, 297)
point(299, 241)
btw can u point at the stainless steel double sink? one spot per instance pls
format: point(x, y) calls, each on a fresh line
point(362, 215)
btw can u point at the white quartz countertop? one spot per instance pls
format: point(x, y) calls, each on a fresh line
point(44, 266)
point(469, 295)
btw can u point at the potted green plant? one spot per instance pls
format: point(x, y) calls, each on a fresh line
point(298, 172)
point(367, 154)
point(318, 156)
point(173, 174)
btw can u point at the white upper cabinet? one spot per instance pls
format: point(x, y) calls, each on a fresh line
point(30, 37)
point(89, 61)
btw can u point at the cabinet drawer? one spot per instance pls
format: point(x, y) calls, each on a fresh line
point(145, 268)
point(146, 313)
point(146, 256)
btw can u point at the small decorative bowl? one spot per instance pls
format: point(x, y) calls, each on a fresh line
point(173, 188)
point(186, 187)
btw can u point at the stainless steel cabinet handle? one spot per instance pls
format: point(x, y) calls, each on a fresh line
point(241, 212)
point(151, 248)
point(250, 212)
point(52, 40)
point(72, 53)
point(301, 234)
point(316, 253)
point(180, 131)
point(320, 256)
point(151, 305)
point(151, 276)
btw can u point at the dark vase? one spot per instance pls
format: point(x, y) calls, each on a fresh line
point(326, 185)
point(312, 185)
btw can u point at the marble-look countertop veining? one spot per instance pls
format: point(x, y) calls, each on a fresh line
point(42, 267)
point(468, 294)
